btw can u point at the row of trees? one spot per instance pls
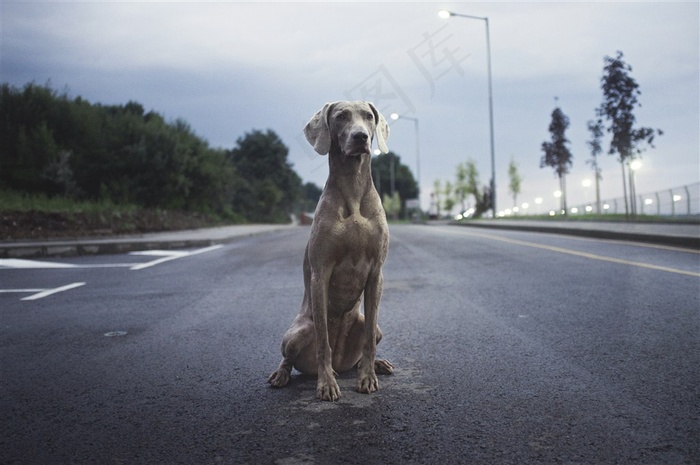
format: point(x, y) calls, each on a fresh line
point(461, 192)
point(56, 145)
point(620, 97)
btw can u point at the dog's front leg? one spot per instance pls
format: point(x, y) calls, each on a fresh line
point(326, 387)
point(366, 377)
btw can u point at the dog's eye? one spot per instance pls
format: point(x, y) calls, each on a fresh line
point(340, 116)
point(369, 117)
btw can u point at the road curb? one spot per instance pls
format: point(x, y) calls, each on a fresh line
point(61, 249)
point(659, 239)
point(118, 245)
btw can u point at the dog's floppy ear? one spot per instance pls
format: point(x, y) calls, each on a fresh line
point(317, 131)
point(382, 129)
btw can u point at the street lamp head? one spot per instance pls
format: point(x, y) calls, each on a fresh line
point(394, 116)
point(635, 165)
point(444, 14)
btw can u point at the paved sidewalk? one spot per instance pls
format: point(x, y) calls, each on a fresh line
point(672, 234)
point(121, 244)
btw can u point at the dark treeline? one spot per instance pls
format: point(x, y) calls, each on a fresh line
point(404, 185)
point(55, 145)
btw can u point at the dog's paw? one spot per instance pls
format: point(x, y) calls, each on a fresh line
point(367, 384)
point(279, 378)
point(383, 367)
point(328, 390)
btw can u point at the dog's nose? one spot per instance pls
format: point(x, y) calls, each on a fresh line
point(360, 136)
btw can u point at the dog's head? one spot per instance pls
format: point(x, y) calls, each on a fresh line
point(349, 126)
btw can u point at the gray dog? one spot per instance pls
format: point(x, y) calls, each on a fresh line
point(343, 260)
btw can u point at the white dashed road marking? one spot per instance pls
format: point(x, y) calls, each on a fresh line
point(163, 256)
point(28, 264)
point(167, 255)
point(41, 293)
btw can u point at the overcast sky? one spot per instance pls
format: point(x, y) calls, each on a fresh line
point(229, 68)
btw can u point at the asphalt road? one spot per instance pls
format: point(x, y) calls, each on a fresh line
point(509, 348)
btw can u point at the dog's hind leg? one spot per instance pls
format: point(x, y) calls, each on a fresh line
point(383, 367)
point(298, 351)
point(280, 377)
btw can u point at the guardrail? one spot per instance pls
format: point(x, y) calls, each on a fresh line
point(679, 201)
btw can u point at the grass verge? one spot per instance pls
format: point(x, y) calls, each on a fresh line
point(25, 216)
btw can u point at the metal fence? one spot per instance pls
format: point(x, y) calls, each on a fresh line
point(679, 201)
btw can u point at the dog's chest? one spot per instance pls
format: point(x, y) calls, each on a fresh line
point(357, 245)
point(360, 237)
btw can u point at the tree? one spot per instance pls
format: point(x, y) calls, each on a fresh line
point(57, 146)
point(392, 204)
point(437, 197)
point(596, 131)
point(404, 184)
point(484, 201)
point(60, 174)
point(271, 188)
point(472, 181)
point(515, 180)
point(620, 97)
point(28, 136)
point(310, 195)
point(460, 188)
point(467, 184)
point(556, 153)
point(449, 200)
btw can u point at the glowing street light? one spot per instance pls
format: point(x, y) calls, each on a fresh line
point(444, 14)
point(538, 202)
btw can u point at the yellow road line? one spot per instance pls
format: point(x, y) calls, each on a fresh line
point(637, 244)
point(591, 256)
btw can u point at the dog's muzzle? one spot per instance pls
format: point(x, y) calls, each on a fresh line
point(358, 143)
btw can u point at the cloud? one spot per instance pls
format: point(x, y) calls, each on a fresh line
point(227, 68)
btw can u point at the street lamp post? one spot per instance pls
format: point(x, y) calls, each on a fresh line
point(396, 116)
point(446, 14)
